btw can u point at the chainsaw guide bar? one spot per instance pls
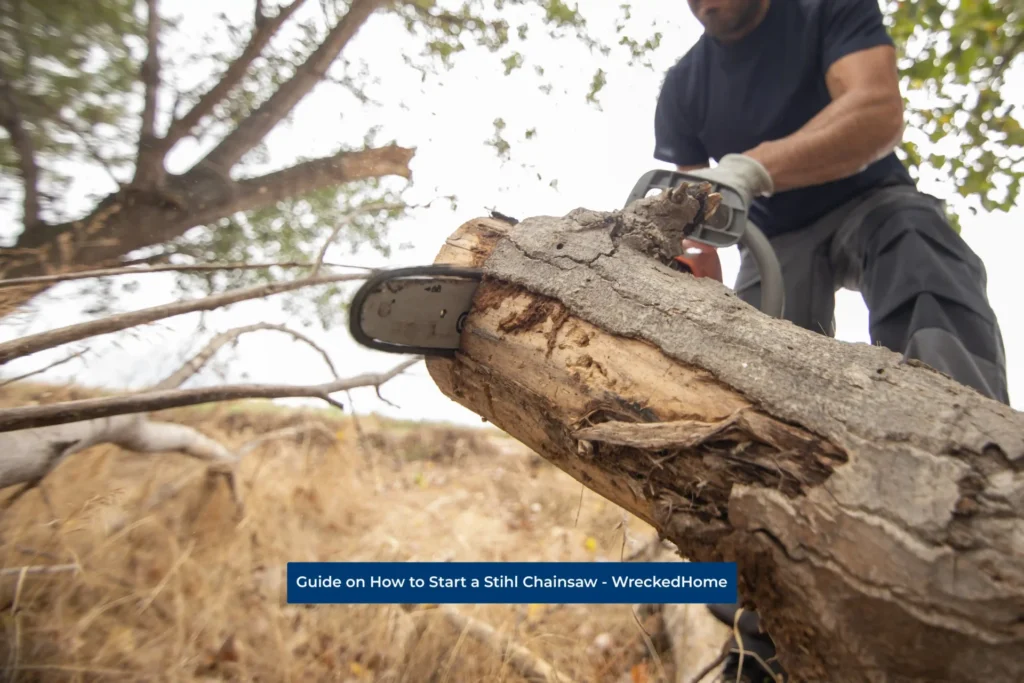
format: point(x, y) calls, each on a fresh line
point(425, 306)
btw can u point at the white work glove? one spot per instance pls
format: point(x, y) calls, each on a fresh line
point(744, 174)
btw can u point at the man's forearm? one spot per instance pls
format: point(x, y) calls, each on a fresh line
point(853, 131)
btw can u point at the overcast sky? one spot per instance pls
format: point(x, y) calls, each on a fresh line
point(596, 156)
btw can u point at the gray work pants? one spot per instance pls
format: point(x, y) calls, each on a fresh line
point(925, 290)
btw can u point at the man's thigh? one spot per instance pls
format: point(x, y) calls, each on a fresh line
point(925, 290)
point(807, 277)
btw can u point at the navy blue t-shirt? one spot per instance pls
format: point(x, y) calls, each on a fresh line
point(722, 99)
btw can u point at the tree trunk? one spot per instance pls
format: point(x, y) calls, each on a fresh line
point(874, 506)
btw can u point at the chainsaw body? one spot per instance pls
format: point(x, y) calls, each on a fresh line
point(699, 260)
point(422, 310)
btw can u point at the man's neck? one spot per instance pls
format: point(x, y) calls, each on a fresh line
point(750, 22)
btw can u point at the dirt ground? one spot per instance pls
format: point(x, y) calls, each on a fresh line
point(192, 588)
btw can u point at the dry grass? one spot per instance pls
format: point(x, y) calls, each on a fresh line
point(190, 591)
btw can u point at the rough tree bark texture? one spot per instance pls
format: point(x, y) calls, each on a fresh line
point(874, 506)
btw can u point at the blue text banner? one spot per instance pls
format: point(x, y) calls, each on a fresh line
point(511, 582)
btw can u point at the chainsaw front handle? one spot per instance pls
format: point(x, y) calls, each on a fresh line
point(773, 289)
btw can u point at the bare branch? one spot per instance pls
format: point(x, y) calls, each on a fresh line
point(711, 666)
point(90, 148)
point(149, 166)
point(38, 248)
point(365, 208)
point(29, 417)
point(12, 121)
point(260, 18)
point(196, 363)
point(34, 343)
point(28, 456)
point(234, 74)
point(295, 181)
point(39, 569)
point(254, 128)
point(54, 364)
point(169, 268)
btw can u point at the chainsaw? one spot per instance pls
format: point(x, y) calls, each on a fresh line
point(422, 310)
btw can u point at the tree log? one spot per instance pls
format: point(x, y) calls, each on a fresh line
point(873, 505)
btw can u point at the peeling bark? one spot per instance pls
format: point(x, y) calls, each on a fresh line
point(874, 506)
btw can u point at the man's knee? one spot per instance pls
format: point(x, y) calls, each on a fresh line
point(944, 351)
point(949, 337)
point(925, 291)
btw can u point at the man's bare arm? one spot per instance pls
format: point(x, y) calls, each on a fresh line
point(863, 123)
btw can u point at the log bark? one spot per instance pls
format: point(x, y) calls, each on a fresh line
point(873, 505)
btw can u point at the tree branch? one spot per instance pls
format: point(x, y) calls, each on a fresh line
point(168, 268)
point(40, 569)
point(365, 208)
point(31, 417)
point(309, 176)
point(11, 120)
point(54, 364)
point(159, 225)
point(264, 31)
point(255, 127)
point(28, 456)
point(34, 343)
point(196, 363)
point(149, 164)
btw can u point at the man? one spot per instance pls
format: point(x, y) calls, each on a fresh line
point(798, 101)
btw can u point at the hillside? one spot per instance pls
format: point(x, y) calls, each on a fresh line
point(191, 588)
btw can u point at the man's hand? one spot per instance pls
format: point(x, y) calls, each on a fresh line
point(742, 173)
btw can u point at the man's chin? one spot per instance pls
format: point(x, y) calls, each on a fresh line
point(715, 24)
point(717, 29)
